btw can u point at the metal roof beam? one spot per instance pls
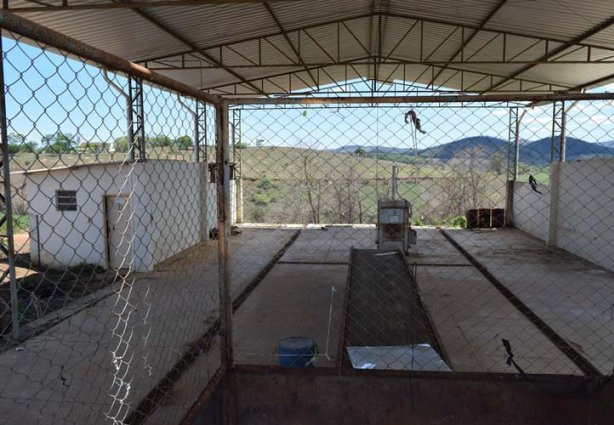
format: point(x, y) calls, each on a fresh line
point(413, 19)
point(360, 61)
point(184, 64)
point(68, 5)
point(285, 34)
point(575, 41)
point(192, 46)
point(465, 43)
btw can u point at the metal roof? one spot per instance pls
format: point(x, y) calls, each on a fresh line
point(252, 47)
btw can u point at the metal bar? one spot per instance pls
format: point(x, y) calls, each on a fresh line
point(563, 138)
point(465, 43)
point(549, 54)
point(561, 343)
point(137, 148)
point(22, 26)
point(341, 360)
point(513, 154)
point(447, 98)
point(224, 278)
point(164, 66)
point(66, 6)
point(194, 47)
point(285, 34)
point(358, 75)
point(414, 20)
point(8, 204)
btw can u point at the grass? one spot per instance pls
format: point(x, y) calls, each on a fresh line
point(21, 224)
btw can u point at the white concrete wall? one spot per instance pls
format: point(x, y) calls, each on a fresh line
point(169, 194)
point(583, 223)
point(69, 238)
point(531, 210)
point(167, 198)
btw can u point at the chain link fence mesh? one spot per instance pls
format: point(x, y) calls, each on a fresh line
point(509, 272)
point(109, 302)
point(114, 314)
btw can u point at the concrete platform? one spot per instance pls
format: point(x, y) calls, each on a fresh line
point(66, 374)
point(575, 297)
point(293, 300)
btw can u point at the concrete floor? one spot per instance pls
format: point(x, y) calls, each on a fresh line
point(471, 317)
point(575, 297)
point(65, 374)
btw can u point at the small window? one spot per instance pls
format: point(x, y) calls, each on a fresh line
point(66, 200)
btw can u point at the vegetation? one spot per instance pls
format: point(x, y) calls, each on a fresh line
point(20, 224)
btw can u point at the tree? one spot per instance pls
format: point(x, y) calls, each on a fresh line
point(184, 142)
point(360, 152)
point(58, 142)
point(497, 163)
point(121, 144)
point(28, 147)
point(315, 188)
point(160, 140)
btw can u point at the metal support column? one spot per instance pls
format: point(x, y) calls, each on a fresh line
point(7, 243)
point(513, 156)
point(136, 121)
point(223, 231)
point(200, 142)
point(558, 131)
point(238, 177)
point(559, 118)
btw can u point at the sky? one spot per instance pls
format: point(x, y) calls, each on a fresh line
point(48, 92)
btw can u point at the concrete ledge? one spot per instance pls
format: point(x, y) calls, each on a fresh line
point(291, 396)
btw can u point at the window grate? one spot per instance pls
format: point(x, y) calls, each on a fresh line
point(66, 200)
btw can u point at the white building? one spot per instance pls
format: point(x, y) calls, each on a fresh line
point(119, 215)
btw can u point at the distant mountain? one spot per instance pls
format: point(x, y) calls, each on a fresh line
point(538, 152)
point(370, 150)
point(531, 152)
point(482, 145)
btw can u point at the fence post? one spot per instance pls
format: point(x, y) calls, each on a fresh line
point(5, 199)
point(236, 139)
point(200, 141)
point(559, 122)
point(223, 231)
point(136, 120)
point(514, 142)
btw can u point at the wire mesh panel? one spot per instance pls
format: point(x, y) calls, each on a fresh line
point(109, 303)
point(327, 269)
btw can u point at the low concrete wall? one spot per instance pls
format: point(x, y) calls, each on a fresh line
point(531, 209)
point(585, 223)
point(295, 397)
point(577, 216)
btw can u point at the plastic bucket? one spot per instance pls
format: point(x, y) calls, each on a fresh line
point(297, 352)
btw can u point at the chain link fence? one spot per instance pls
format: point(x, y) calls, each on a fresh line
point(511, 268)
point(109, 302)
point(462, 237)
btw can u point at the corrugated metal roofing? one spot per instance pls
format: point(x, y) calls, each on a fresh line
point(254, 38)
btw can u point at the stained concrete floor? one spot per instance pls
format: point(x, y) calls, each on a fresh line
point(65, 374)
point(471, 317)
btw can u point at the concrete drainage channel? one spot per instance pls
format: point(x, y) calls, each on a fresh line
point(198, 347)
point(561, 343)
